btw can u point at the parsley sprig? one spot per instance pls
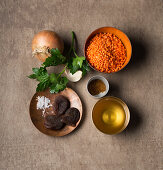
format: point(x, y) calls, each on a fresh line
point(75, 62)
point(55, 59)
point(55, 82)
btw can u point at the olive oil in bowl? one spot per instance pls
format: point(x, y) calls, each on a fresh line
point(110, 115)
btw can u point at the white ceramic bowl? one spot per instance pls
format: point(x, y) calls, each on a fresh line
point(103, 79)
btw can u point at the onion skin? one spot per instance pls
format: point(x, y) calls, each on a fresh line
point(47, 39)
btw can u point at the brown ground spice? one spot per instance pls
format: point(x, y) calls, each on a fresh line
point(96, 86)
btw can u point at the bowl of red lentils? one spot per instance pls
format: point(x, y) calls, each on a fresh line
point(108, 50)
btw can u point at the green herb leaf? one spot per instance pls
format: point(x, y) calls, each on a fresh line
point(42, 86)
point(32, 76)
point(35, 70)
point(55, 59)
point(78, 61)
point(76, 64)
point(43, 77)
point(53, 78)
point(85, 67)
point(40, 74)
point(59, 85)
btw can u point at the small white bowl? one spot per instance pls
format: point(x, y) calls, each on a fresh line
point(103, 79)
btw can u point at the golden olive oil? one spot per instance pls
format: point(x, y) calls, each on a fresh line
point(109, 116)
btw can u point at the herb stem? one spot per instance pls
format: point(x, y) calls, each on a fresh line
point(73, 38)
point(74, 52)
point(62, 71)
point(72, 43)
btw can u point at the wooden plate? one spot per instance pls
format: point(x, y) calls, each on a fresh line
point(38, 119)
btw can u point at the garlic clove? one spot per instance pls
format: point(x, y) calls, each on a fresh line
point(73, 77)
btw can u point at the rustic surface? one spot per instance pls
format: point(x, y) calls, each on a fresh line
point(22, 146)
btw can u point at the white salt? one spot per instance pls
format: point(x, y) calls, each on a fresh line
point(43, 103)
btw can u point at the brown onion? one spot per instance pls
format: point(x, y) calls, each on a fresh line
point(43, 41)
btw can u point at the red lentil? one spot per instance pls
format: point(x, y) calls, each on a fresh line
point(106, 52)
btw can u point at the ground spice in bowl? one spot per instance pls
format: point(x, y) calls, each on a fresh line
point(96, 87)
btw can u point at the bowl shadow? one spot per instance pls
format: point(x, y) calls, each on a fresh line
point(114, 89)
point(139, 54)
point(136, 118)
point(67, 45)
point(135, 123)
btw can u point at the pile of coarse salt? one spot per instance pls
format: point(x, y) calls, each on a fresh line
point(43, 103)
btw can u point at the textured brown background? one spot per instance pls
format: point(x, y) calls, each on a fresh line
point(22, 146)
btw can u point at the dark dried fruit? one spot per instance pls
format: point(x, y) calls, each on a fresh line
point(49, 111)
point(61, 104)
point(53, 122)
point(71, 116)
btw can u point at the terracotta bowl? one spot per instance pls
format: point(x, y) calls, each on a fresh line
point(122, 36)
point(38, 119)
